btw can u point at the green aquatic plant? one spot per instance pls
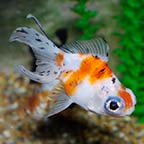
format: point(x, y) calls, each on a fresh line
point(84, 22)
point(131, 53)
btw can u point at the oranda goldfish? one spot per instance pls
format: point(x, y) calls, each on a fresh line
point(82, 71)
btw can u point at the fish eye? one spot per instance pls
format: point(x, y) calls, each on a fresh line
point(114, 105)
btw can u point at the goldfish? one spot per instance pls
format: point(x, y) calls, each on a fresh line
point(81, 73)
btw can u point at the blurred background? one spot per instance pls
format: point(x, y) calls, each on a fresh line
point(120, 22)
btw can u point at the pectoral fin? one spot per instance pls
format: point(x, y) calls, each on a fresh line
point(61, 101)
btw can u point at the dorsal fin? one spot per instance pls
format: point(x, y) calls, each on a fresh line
point(97, 47)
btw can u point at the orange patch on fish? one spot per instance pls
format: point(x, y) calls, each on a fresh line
point(91, 67)
point(59, 59)
point(127, 98)
point(99, 71)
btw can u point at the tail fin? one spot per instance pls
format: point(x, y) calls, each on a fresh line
point(46, 52)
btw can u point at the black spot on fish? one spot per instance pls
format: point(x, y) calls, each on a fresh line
point(47, 43)
point(113, 80)
point(39, 40)
point(96, 56)
point(38, 79)
point(42, 48)
point(107, 54)
point(22, 31)
point(41, 74)
point(48, 71)
point(55, 72)
point(37, 34)
point(102, 70)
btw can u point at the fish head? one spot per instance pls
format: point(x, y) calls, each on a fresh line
point(121, 104)
point(113, 99)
